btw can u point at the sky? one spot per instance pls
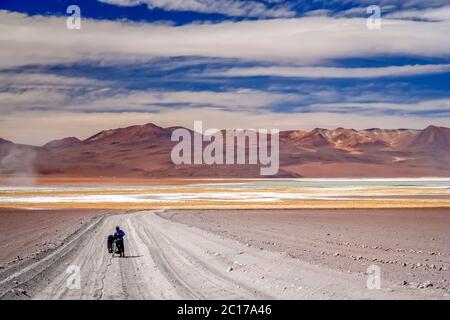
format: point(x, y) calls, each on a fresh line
point(230, 63)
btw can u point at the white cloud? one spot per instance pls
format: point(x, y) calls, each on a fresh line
point(45, 40)
point(30, 99)
point(433, 14)
point(330, 72)
point(234, 8)
point(406, 4)
point(158, 101)
point(377, 107)
point(29, 92)
point(27, 80)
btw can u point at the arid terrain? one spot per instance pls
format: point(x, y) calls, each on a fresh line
point(268, 238)
point(409, 245)
point(299, 254)
point(26, 233)
point(143, 151)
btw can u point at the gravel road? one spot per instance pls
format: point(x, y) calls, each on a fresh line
point(170, 260)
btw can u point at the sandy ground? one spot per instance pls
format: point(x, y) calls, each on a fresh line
point(168, 259)
point(411, 246)
point(24, 233)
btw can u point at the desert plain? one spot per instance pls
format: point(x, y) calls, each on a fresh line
point(238, 239)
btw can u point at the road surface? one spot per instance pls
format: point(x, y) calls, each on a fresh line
point(170, 260)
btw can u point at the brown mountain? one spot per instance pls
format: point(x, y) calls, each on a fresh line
point(433, 138)
point(144, 151)
point(62, 143)
point(3, 141)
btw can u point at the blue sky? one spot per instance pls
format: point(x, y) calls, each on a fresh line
point(230, 63)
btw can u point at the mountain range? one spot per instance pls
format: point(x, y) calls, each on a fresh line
point(143, 151)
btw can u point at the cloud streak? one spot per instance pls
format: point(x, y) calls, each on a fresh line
point(434, 14)
point(333, 73)
point(232, 8)
point(304, 41)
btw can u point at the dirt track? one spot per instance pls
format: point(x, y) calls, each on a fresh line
point(170, 260)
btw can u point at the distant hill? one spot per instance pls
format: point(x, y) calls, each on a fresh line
point(63, 143)
point(144, 151)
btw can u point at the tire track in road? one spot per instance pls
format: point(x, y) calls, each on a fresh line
point(171, 273)
point(156, 267)
point(213, 282)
